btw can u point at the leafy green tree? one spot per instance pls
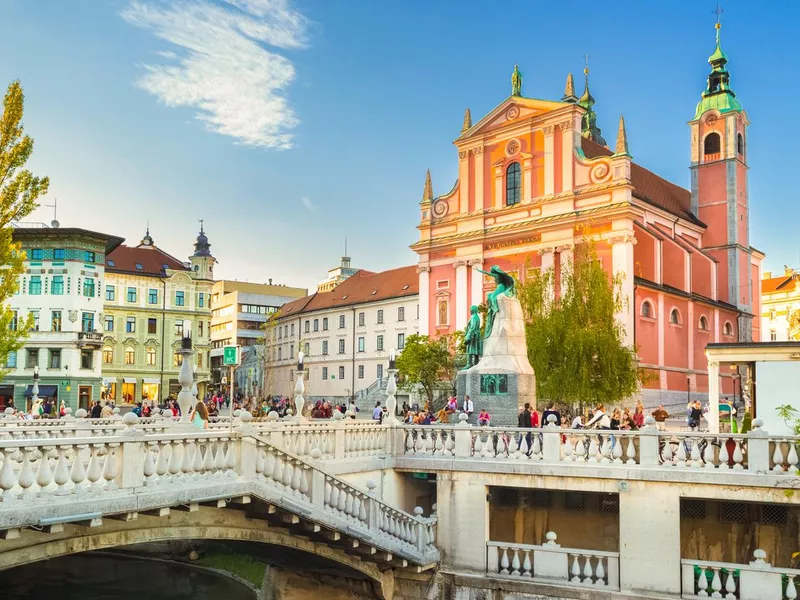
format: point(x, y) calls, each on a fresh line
point(575, 343)
point(431, 363)
point(19, 190)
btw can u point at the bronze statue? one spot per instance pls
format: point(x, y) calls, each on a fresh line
point(516, 82)
point(505, 286)
point(473, 339)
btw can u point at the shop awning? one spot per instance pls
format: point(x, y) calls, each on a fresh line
point(45, 391)
point(129, 380)
point(151, 380)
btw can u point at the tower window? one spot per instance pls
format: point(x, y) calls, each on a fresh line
point(712, 144)
point(512, 184)
point(740, 144)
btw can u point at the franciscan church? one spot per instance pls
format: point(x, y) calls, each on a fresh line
point(537, 177)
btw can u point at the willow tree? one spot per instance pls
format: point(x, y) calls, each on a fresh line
point(575, 343)
point(19, 190)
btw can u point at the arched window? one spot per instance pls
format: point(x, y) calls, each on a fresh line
point(130, 356)
point(740, 144)
point(108, 355)
point(512, 184)
point(675, 317)
point(727, 329)
point(711, 144)
point(703, 324)
point(151, 357)
point(647, 309)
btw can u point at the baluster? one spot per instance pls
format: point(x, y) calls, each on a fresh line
point(439, 449)
point(697, 459)
point(791, 589)
point(730, 585)
point(343, 496)
point(259, 460)
point(61, 475)
point(600, 572)
point(219, 460)
point(329, 445)
point(576, 570)
point(429, 442)
point(409, 441)
point(162, 462)
point(680, 455)
point(580, 451)
point(702, 584)
point(188, 458)
point(526, 564)
point(617, 451)
point(288, 473)
point(666, 453)
point(777, 457)
point(44, 477)
point(515, 565)
point(95, 472)
point(208, 459)
point(708, 455)
point(296, 477)
point(716, 584)
point(148, 468)
point(449, 444)
point(630, 452)
point(230, 459)
point(489, 447)
point(566, 450)
point(334, 497)
point(588, 572)
point(522, 446)
point(724, 457)
point(26, 478)
point(175, 457)
point(110, 467)
point(536, 452)
point(605, 449)
point(504, 564)
point(8, 479)
point(362, 510)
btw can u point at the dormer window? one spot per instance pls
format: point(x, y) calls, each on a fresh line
point(138, 267)
point(513, 184)
point(712, 144)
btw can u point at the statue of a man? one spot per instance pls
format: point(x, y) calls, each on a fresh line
point(516, 82)
point(505, 286)
point(472, 338)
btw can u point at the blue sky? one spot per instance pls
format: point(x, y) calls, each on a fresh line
point(289, 125)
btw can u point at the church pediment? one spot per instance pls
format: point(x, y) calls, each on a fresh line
point(512, 109)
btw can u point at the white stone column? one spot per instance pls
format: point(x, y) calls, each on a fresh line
point(622, 262)
point(462, 296)
point(463, 526)
point(548, 262)
point(713, 397)
point(424, 298)
point(476, 286)
point(646, 516)
point(549, 160)
point(565, 264)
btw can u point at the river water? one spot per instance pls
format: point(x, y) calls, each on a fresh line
point(98, 577)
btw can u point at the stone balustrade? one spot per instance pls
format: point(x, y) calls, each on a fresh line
point(755, 581)
point(46, 482)
point(550, 563)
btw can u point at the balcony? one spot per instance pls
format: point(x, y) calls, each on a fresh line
point(90, 338)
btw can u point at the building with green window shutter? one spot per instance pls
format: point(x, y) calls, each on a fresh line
point(148, 295)
point(61, 290)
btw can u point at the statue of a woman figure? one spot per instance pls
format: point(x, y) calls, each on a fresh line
point(473, 339)
point(505, 285)
point(516, 82)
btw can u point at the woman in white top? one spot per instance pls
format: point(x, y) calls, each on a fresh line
point(600, 419)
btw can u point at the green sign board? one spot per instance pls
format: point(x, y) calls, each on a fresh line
point(423, 476)
point(230, 356)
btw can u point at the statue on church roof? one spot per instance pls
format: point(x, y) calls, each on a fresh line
point(516, 82)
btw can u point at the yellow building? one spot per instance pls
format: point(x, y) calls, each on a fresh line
point(780, 306)
point(148, 296)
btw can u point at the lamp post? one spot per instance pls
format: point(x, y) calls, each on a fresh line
point(391, 390)
point(186, 375)
point(299, 388)
point(35, 388)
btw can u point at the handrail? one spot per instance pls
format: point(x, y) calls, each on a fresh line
point(551, 548)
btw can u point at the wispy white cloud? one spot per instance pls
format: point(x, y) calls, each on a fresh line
point(308, 204)
point(222, 67)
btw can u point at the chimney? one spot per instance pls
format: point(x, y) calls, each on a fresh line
point(787, 270)
point(766, 275)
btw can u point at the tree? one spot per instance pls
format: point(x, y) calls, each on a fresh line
point(19, 190)
point(575, 342)
point(430, 363)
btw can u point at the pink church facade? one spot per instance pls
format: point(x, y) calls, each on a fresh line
point(536, 178)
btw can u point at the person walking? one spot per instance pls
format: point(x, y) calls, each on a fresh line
point(661, 416)
point(377, 412)
point(525, 421)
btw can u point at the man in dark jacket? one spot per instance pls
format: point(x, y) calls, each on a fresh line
point(524, 420)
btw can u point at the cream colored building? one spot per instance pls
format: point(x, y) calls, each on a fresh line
point(148, 295)
point(239, 312)
point(346, 334)
point(780, 300)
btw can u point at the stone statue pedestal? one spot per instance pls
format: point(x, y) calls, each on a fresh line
point(503, 380)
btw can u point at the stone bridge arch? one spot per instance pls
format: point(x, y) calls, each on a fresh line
point(206, 524)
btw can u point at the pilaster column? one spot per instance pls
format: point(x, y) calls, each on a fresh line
point(463, 182)
point(565, 264)
point(567, 148)
point(548, 262)
point(549, 160)
point(497, 201)
point(462, 296)
point(479, 166)
point(622, 262)
point(712, 417)
point(424, 298)
point(476, 283)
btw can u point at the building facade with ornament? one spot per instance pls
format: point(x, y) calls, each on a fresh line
point(780, 306)
point(148, 297)
point(536, 178)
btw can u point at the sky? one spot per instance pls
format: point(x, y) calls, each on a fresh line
point(292, 125)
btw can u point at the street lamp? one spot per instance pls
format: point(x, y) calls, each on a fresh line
point(391, 390)
point(299, 388)
point(35, 388)
point(186, 375)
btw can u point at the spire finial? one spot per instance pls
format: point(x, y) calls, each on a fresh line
point(622, 139)
point(569, 90)
point(467, 121)
point(427, 194)
point(201, 226)
point(147, 240)
point(147, 230)
point(516, 82)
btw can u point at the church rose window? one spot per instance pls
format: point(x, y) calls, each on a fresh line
point(512, 184)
